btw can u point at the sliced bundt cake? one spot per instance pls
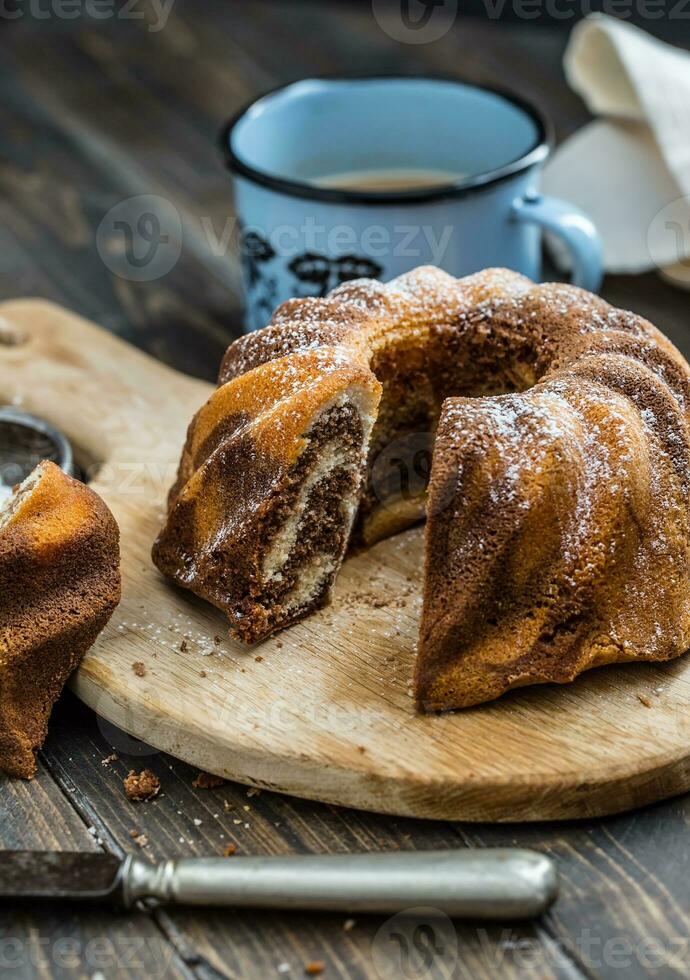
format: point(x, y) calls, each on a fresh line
point(59, 584)
point(268, 488)
point(558, 529)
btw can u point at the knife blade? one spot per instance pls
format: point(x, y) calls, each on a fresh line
point(60, 875)
point(492, 883)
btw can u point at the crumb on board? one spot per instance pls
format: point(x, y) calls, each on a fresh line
point(141, 840)
point(139, 668)
point(202, 673)
point(206, 780)
point(229, 850)
point(217, 640)
point(253, 791)
point(259, 659)
point(315, 968)
point(228, 806)
point(279, 644)
point(348, 925)
point(643, 699)
point(142, 785)
point(109, 759)
point(183, 646)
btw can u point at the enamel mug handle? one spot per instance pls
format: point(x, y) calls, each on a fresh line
point(575, 230)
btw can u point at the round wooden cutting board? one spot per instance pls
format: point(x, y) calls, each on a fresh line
point(324, 709)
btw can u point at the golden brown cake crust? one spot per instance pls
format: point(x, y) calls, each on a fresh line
point(558, 534)
point(59, 584)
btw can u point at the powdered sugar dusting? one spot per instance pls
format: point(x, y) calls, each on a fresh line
point(600, 444)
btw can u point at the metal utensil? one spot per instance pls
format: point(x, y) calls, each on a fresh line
point(486, 884)
point(24, 441)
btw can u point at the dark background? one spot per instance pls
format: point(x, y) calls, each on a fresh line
point(95, 112)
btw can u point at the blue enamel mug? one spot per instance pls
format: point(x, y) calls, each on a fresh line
point(300, 234)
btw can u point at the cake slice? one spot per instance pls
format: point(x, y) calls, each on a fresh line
point(59, 584)
point(556, 535)
point(268, 488)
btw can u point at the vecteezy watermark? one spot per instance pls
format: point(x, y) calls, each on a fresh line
point(154, 12)
point(415, 21)
point(624, 951)
point(140, 238)
point(417, 944)
point(100, 955)
point(566, 10)
point(223, 708)
point(422, 944)
point(668, 240)
point(148, 480)
point(311, 236)
point(401, 470)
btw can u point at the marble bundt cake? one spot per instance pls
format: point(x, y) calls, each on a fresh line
point(59, 584)
point(558, 524)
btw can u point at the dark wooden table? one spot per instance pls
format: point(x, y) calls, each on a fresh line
point(95, 111)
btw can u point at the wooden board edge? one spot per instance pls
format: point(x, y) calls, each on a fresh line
point(16, 312)
point(561, 798)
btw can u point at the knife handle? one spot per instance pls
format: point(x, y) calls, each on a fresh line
point(488, 884)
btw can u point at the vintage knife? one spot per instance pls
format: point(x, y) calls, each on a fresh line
point(488, 884)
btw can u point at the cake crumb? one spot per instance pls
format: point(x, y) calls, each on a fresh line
point(141, 840)
point(348, 925)
point(228, 806)
point(183, 647)
point(206, 780)
point(141, 786)
point(109, 759)
point(217, 640)
point(315, 968)
point(279, 644)
point(643, 699)
point(253, 791)
point(259, 659)
point(139, 668)
point(202, 673)
point(229, 850)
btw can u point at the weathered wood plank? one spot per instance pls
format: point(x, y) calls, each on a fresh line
point(624, 887)
point(64, 940)
point(184, 821)
point(53, 199)
point(36, 815)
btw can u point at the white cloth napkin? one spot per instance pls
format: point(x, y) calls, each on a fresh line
point(630, 168)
